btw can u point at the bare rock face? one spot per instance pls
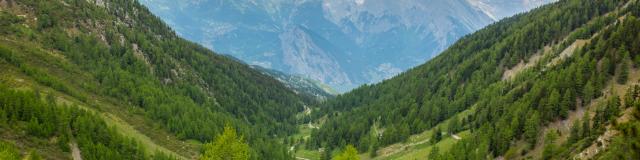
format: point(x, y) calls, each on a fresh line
point(343, 43)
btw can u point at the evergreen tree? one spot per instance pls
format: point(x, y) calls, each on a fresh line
point(550, 148)
point(575, 134)
point(623, 73)
point(404, 132)
point(552, 108)
point(227, 146)
point(434, 154)
point(613, 108)
point(569, 100)
point(373, 149)
point(588, 93)
point(629, 98)
point(436, 136)
point(623, 70)
point(8, 151)
point(34, 127)
point(3, 117)
point(325, 154)
point(454, 125)
point(531, 127)
point(586, 124)
point(349, 153)
point(33, 155)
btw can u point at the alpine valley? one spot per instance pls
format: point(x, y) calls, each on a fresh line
point(109, 80)
point(342, 43)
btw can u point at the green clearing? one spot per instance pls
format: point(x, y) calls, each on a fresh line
point(422, 151)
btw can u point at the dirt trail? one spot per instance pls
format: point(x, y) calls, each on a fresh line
point(75, 151)
point(399, 148)
point(394, 149)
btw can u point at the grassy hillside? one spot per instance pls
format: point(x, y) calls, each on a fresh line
point(119, 61)
point(548, 85)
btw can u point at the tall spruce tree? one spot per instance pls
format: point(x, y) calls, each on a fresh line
point(227, 146)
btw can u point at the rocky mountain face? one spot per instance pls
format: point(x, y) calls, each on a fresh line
point(342, 43)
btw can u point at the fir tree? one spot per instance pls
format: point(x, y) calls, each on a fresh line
point(575, 134)
point(435, 153)
point(531, 127)
point(550, 148)
point(227, 146)
point(623, 72)
point(349, 153)
point(586, 125)
point(623, 69)
point(436, 136)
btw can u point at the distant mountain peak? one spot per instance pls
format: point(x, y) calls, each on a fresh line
point(498, 9)
point(342, 43)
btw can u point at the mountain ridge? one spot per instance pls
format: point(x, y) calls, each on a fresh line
point(469, 75)
point(369, 41)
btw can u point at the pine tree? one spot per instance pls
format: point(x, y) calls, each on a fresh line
point(613, 108)
point(8, 151)
point(607, 66)
point(404, 132)
point(349, 153)
point(326, 153)
point(453, 125)
point(373, 148)
point(623, 69)
point(588, 93)
point(226, 146)
point(623, 72)
point(628, 98)
point(549, 145)
point(33, 155)
point(566, 104)
point(33, 127)
point(436, 136)
point(575, 134)
point(3, 117)
point(531, 127)
point(435, 153)
point(569, 99)
point(586, 125)
point(552, 108)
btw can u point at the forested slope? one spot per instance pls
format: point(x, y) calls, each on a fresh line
point(507, 112)
point(116, 58)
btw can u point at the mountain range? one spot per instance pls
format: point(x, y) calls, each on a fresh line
point(342, 43)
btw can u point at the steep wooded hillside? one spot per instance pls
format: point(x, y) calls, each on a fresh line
point(470, 75)
point(117, 59)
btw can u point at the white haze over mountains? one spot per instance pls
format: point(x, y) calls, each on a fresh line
point(342, 43)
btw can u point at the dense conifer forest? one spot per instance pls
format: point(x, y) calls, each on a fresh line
point(118, 50)
point(106, 79)
point(506, 112)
